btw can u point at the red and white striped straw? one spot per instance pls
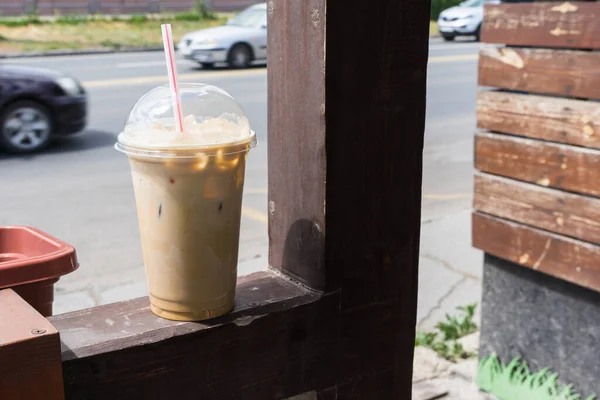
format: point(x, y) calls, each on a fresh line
point(172, 71)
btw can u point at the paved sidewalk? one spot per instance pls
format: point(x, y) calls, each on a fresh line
point(436, 378)
point(450, 270)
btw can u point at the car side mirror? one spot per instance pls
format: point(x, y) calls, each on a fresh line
point(263, 26)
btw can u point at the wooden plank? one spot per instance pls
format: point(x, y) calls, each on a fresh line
point(555, 72)
point(552, 210)
point(564, 258)
point(558, 120)
point(547, 164)
point(123, 351)
point(30, 363)
point(119, 326)
point(568, 24)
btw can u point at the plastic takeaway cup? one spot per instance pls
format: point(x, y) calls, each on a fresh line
point(188, 190)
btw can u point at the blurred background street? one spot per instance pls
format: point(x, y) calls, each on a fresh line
point(80, 190)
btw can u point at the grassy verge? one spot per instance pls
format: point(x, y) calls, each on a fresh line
point(97, 32)
point(433, 29)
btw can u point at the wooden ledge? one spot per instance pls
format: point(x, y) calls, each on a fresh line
point(277, 331)
point(130, 323)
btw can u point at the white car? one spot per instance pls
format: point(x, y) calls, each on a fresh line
point(238, 43)
point(462, 20)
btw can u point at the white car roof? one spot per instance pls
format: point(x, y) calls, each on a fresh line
point(260, 6)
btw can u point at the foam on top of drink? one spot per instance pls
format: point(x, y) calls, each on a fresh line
point(197, 132)
point(212, 120)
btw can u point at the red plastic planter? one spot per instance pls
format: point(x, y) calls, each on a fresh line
point(31, 262)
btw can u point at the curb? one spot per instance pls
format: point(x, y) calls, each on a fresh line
point(56, 53)
point(80, 52)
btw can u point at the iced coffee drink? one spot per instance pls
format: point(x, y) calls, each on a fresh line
point(188, 190)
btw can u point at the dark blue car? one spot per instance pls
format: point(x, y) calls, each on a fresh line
point(36, 105)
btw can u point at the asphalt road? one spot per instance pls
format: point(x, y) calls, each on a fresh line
point(80, 190)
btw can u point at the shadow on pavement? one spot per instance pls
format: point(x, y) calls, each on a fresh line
point(224, 67)
point(461, 39)
point(86, 140)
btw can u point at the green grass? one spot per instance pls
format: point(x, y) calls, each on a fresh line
point(515, 382)
point(21, 21)
point(444, 340)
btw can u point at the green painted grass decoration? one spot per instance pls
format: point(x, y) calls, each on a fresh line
point(515, 382)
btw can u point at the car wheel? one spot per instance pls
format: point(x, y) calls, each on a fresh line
point(478, 34)
point(25, 127)
point(240, 56)
point(448, 38)
point(207, 65)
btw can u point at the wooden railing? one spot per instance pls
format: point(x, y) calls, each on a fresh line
point(335, 316)
point(537, 193)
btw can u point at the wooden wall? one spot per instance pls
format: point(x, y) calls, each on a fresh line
point(537, 151)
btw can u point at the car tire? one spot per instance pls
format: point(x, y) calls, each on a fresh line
point(478, 34)
point(240, 56)
point(448, 38)
point(25, 127)
point(207, 65)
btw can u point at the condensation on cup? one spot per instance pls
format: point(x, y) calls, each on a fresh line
point(188, 190)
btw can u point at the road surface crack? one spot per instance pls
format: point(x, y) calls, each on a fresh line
point(450, 267)
point(441, 300)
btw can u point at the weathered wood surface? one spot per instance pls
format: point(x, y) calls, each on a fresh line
point(561, 212)
point(558, 120)
point(123, 351)
point(565, 258)
point(565, 24)
point(547, 164)
point(556, 72)
point(297, 164)
point(128, 324)
point(290, 342)
point(30, 363)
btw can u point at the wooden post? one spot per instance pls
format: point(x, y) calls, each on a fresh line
point(30, 356)
point(346, 123)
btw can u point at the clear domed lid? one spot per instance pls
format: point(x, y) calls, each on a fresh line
point(211, 119)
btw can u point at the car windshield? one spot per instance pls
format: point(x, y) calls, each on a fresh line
point(472, 3)
point(249, 17)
